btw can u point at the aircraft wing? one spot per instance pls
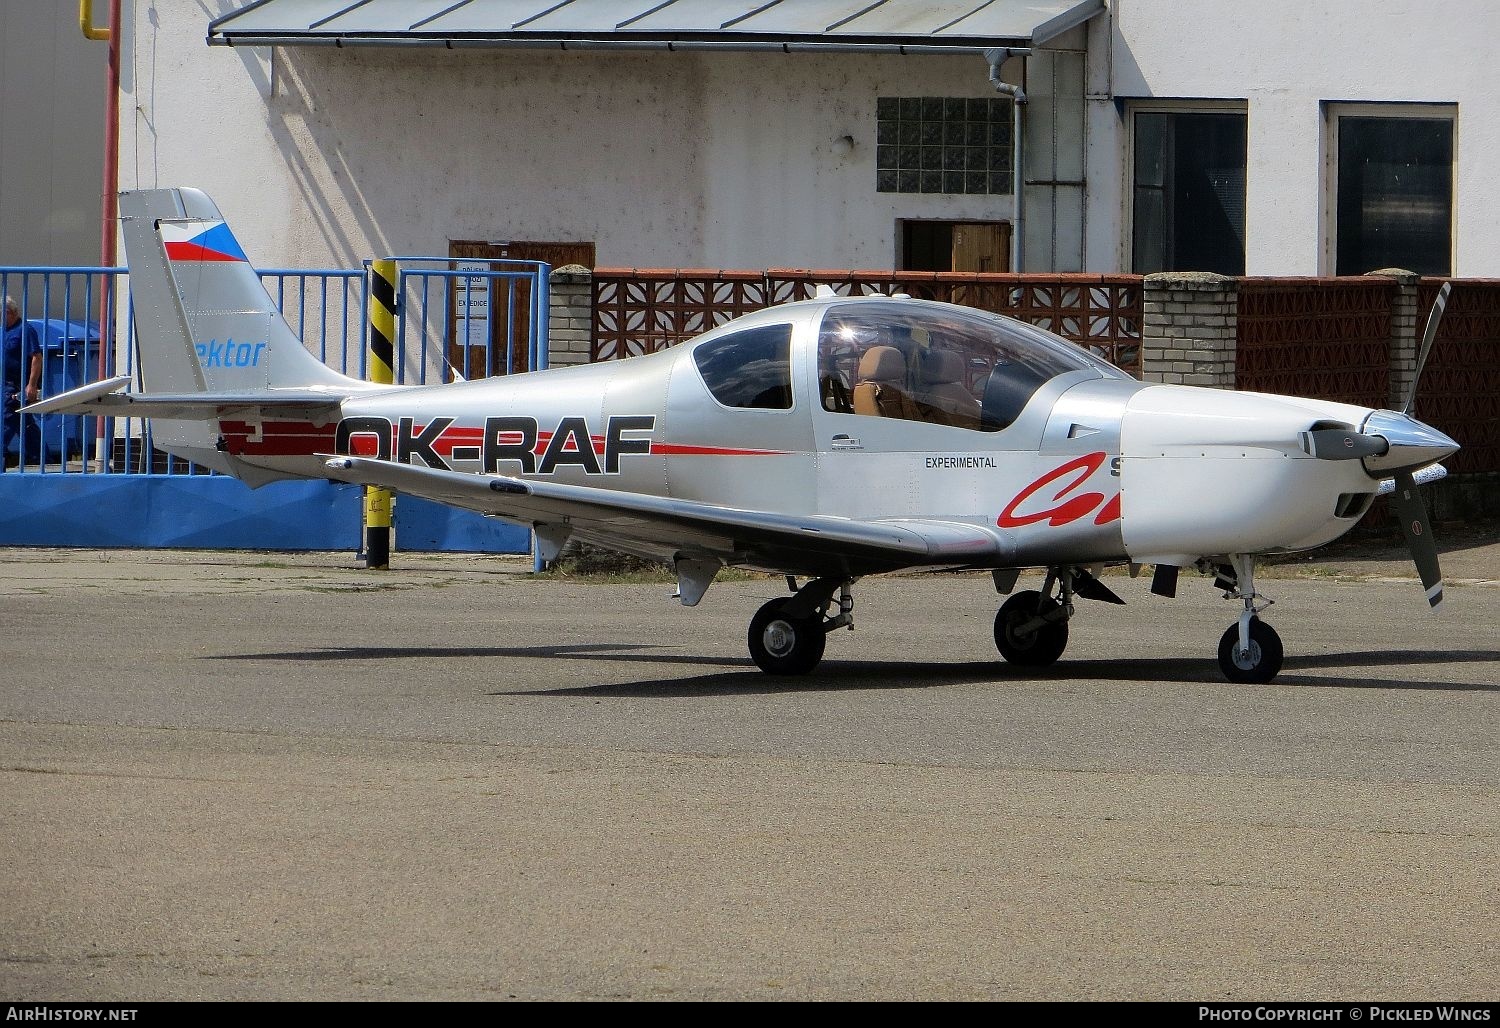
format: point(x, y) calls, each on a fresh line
point(664, 528)
point(106, 398)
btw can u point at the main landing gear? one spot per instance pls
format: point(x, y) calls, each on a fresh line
point(1250, 649)
point(1031, 628)
point(787, 635)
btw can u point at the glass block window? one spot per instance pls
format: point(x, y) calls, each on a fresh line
point(935, 144)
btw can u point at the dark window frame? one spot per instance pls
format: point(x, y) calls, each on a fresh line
point(1402, 124)
point(1173, 197)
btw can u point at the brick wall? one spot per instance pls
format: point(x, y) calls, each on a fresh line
point(1188, 329)
point(571, 316)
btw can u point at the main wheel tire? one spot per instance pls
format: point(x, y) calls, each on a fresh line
point(1035, 649)
point(785, 645)
point(1257, 665)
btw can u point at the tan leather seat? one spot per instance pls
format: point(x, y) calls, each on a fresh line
point(881, 391)
point(940, 390)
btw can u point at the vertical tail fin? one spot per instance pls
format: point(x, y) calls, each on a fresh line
point(204, 322)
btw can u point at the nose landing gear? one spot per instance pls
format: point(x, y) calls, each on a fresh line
point(1250, 650)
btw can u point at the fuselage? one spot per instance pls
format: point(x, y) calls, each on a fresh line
point(885, 408)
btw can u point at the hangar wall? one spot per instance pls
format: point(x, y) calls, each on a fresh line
point(327, 156)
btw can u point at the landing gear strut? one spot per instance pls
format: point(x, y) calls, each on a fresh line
point(787, 635)
point(1031, 628)
point(1250, 650)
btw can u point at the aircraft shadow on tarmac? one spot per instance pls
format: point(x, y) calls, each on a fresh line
point(836, 674)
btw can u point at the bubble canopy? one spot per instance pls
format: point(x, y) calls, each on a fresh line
point(940, 364)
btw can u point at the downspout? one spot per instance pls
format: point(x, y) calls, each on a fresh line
point(111, 202)
point(111, 142)
point(997, 56)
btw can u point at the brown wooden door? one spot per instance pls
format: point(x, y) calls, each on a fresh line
point(506, 302)
point(981, 246)
point(955, 246)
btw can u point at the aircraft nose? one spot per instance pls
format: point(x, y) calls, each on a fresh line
point(1410, 444)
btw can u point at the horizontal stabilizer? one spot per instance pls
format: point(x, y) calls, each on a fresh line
point(77, 401)
point(106, 398)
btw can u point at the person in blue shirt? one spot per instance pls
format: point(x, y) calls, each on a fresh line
point(20, 383)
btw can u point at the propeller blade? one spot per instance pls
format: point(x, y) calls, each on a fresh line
point(1428, 475)
point(1342, 444)
point(1434, 318)
point(1412, 513)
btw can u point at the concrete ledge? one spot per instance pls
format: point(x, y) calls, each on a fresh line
point(1191, 281)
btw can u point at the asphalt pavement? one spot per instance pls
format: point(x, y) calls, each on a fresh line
point(274, 776)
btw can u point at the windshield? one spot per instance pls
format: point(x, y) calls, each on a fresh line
point(939, 364)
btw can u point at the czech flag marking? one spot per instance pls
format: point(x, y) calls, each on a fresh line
point(201, 241)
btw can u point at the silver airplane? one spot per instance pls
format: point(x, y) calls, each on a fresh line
point(823, 440)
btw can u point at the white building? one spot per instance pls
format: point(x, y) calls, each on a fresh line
point(1287, 137)
point(1370, 129)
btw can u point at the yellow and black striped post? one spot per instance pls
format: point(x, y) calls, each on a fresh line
point(378, 501)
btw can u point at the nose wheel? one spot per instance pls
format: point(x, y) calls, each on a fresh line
point(1250, 649)
point(1259, 661)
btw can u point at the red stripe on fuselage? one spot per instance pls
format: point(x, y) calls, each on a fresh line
point(474, 436)
point(684, 450)
point(304, 439)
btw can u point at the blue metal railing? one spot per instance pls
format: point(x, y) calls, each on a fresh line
point(327, 311)
point(68, 313)
point(469, 321)
point(477, 319)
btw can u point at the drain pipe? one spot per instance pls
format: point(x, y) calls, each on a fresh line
point(997, 56)
point(109, 198)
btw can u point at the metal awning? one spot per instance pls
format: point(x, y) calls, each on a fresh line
point(879, 26)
